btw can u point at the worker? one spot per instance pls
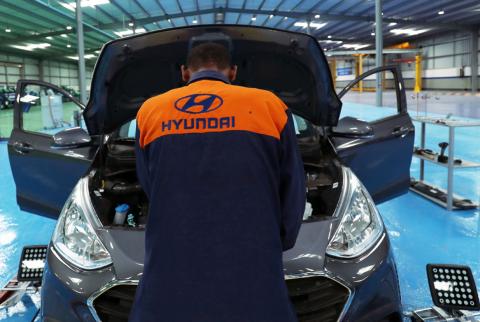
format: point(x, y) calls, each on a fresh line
point(220, 166)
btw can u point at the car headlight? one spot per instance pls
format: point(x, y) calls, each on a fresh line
point(74, 237)
point(360, 226)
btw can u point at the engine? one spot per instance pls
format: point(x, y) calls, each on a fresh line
point(115, 183)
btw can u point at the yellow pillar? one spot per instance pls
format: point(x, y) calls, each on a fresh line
point(360, 72)
point(333, 71)
point(418, 74)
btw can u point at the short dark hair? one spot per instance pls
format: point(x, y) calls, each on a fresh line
point(207, 55)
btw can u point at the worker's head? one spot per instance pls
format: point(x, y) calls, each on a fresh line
point(209, 56)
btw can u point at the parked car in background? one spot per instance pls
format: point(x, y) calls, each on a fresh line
point(7, 97)
point(342, 266)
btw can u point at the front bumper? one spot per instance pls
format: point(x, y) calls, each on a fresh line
point(361, 289)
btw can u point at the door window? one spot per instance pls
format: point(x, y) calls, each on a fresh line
point(360, 101)
point(47, 110)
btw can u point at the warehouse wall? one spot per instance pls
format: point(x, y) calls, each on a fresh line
point(445, 63)
point(55, 72)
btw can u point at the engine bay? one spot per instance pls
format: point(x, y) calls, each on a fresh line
point(114, 184)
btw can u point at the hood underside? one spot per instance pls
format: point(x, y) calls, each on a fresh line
point(131, 70)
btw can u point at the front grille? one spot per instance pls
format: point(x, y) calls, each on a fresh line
point(315, 299)
point(115, 303)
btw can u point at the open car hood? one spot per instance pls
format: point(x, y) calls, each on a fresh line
point(133, 69)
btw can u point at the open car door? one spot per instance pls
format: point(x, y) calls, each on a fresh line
point(49, 149)
point(376, 142)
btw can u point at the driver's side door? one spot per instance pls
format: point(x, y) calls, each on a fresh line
point(376, 142)
point(49, 148)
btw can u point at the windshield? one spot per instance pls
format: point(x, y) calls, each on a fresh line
point(303, 128)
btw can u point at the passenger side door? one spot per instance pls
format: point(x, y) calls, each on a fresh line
point(49, 148)
point(376, 142)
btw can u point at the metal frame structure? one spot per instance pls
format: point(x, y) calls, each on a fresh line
point(34, 21)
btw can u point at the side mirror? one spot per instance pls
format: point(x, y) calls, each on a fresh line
point(351, 127)
point(70, 138)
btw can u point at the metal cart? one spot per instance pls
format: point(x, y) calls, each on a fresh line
point(450, 165)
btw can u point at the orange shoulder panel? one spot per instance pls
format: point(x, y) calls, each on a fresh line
point(211, 106)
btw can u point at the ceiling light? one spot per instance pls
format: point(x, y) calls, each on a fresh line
point(355, 46)
point(329, 41)
point(131, 24)
point(392, 24)
point(97, 51)
point(69, 27)
point(68, 46)
point(408, 31)
point(317, 16)
point(315, 25)
point(31, 47)
point(85, 3)
point(169, 20)
point(441, 12)
point(87, 56)
point(8, 30)
point(254, 18)
point(64, 35)
point(49, 37)
point(285, 18)
point(129, 32)
point(372, 34)
point(271, 16)
point(329, 36)
point(194, 21)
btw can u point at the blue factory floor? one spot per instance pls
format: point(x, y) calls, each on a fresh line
point(421, 232)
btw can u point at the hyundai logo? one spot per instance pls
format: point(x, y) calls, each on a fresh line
point(198, 103)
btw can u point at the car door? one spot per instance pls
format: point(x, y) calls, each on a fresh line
point(376, 142)
point(49, 149)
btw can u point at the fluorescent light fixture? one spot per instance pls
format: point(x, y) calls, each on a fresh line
point(97, 51)
point(8, 30)
point(129, 32)
point(69, 27)
point(169, 20)
point(372, 34)
point(285, 18)
point(130, 24)
point(64, 35)
point(68, 46)
point(355, 46)
point(441, 12)
point(392, 24)
point(194, 20)
point(31, 47)
point(49, 37)
point(85, 3)
point(329, 36)
point(315, 25)
point(254, 18)
point(328, 41)
point(317, 16)
point(271, 16)
point(408, 31)
point(87, 56)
